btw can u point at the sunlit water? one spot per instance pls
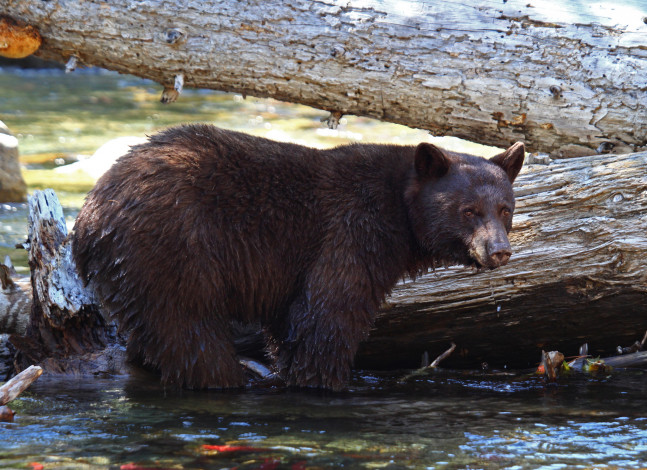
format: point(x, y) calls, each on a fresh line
point(443, 421)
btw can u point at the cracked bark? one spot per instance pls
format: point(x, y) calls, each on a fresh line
point(66, 331)
point(564, 79)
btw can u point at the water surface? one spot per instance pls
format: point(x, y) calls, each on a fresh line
point(447, 420)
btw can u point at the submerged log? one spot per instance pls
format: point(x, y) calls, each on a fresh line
point(578, 274)
point(563, 79)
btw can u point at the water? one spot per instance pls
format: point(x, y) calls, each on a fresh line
point(449, 420)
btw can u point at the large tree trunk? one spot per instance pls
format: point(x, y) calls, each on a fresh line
point(578, 274)
point(563, 78)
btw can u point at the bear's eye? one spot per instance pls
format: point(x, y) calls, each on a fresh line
point(468, 212)
point(506, 212)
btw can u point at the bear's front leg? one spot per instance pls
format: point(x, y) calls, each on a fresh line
point(323, 334)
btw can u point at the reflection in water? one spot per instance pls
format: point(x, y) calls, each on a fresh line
point(445, 420)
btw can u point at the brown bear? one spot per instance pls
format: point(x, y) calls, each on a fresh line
point(201, 226)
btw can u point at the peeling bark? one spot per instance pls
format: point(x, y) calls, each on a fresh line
point(562, 78)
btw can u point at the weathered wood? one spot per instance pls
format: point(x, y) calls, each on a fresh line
point(65, 320)
point(14, 387)
point(577, 274)
point(562, 78)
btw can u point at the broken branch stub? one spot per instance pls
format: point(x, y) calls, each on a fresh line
point(15, 386)
point(65, 319)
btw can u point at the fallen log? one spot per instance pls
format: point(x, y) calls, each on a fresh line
point(577, 275)
point(564, 79)
point(67, 331)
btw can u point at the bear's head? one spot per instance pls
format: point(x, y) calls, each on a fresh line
point(461, 206)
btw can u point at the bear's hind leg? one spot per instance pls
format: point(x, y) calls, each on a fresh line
point(192, 354)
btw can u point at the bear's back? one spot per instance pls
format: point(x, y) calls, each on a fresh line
point(204, 213)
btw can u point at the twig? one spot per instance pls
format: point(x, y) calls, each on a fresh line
point(443, 356)
point(433, 365)
point(14, 387)
point(257, 368)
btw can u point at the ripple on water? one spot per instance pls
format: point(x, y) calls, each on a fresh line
point(621, 443)
point(445, 422)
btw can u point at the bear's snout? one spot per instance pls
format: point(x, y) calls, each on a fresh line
point(490, 247)
point(499, 254)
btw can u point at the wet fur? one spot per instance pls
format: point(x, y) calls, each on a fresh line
point(201, 226)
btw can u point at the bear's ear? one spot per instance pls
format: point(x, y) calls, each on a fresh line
point(511, 160)
point(431, 162)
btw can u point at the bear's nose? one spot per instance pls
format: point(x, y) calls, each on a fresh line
point(501, 257)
